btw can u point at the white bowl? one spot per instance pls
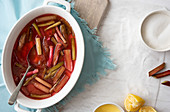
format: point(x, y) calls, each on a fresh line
point(154, 30)
point(8, 47)
point(119, 107)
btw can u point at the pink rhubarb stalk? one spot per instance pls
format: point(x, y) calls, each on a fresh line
point(67, 60)
point(61, 36)
point(50, 59)
point(31, 72)
point(41, 87)
point(61, 84)
point(59, 40)
point(56, 53)
point(58, 74)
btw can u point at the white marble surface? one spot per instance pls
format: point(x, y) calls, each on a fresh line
point(119, 32)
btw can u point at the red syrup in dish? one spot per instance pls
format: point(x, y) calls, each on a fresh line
point(52, 59)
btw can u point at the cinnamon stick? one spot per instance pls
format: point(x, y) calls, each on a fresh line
point(157, 69)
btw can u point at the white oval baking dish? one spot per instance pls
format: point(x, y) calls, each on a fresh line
point(8, 47)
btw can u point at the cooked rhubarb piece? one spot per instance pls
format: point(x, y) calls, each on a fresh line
point(53, 31)
point(61, 36)
point(59, 40)
point(55, 67)
point(33, 90)
point(61, 84)
point(40, 96)
point(20, 66)
point(68, 27)
point(38, 46)
point(157, 69)
point(29, 79)
point(51, 74)
point(67, 73)
point(53, 40)
point(31, 72)
point(61, 52)
point(53, 25)
point(43, 73)
point(51, 90)
point(58, 74)
point(41, 87)
point(61, 58)
point(42, 32)
point(25, 91)
point(36, 28)
point(43, 82)
point(21, 41)
point(63, 31)
point(56, 53)
point(45, 47)
point(166, 83)
point(67, 60)
point(46, 24)
point(45, 18)
point(163, 74)
point(50, 59)
point(73, 46)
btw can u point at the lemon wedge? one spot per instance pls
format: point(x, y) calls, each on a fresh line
point(133, 102)
point(147, 109)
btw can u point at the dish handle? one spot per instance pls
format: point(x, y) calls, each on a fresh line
point(62, 2)
point(18, 109)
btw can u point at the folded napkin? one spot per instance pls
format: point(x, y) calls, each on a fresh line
point(96, 57)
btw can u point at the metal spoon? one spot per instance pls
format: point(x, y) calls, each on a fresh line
point(14, 95)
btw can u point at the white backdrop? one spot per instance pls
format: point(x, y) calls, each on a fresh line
point(119, 32)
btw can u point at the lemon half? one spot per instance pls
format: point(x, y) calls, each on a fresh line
point(133, 102)
point(147, 109)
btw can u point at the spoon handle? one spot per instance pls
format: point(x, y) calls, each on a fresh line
point(14, 95)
